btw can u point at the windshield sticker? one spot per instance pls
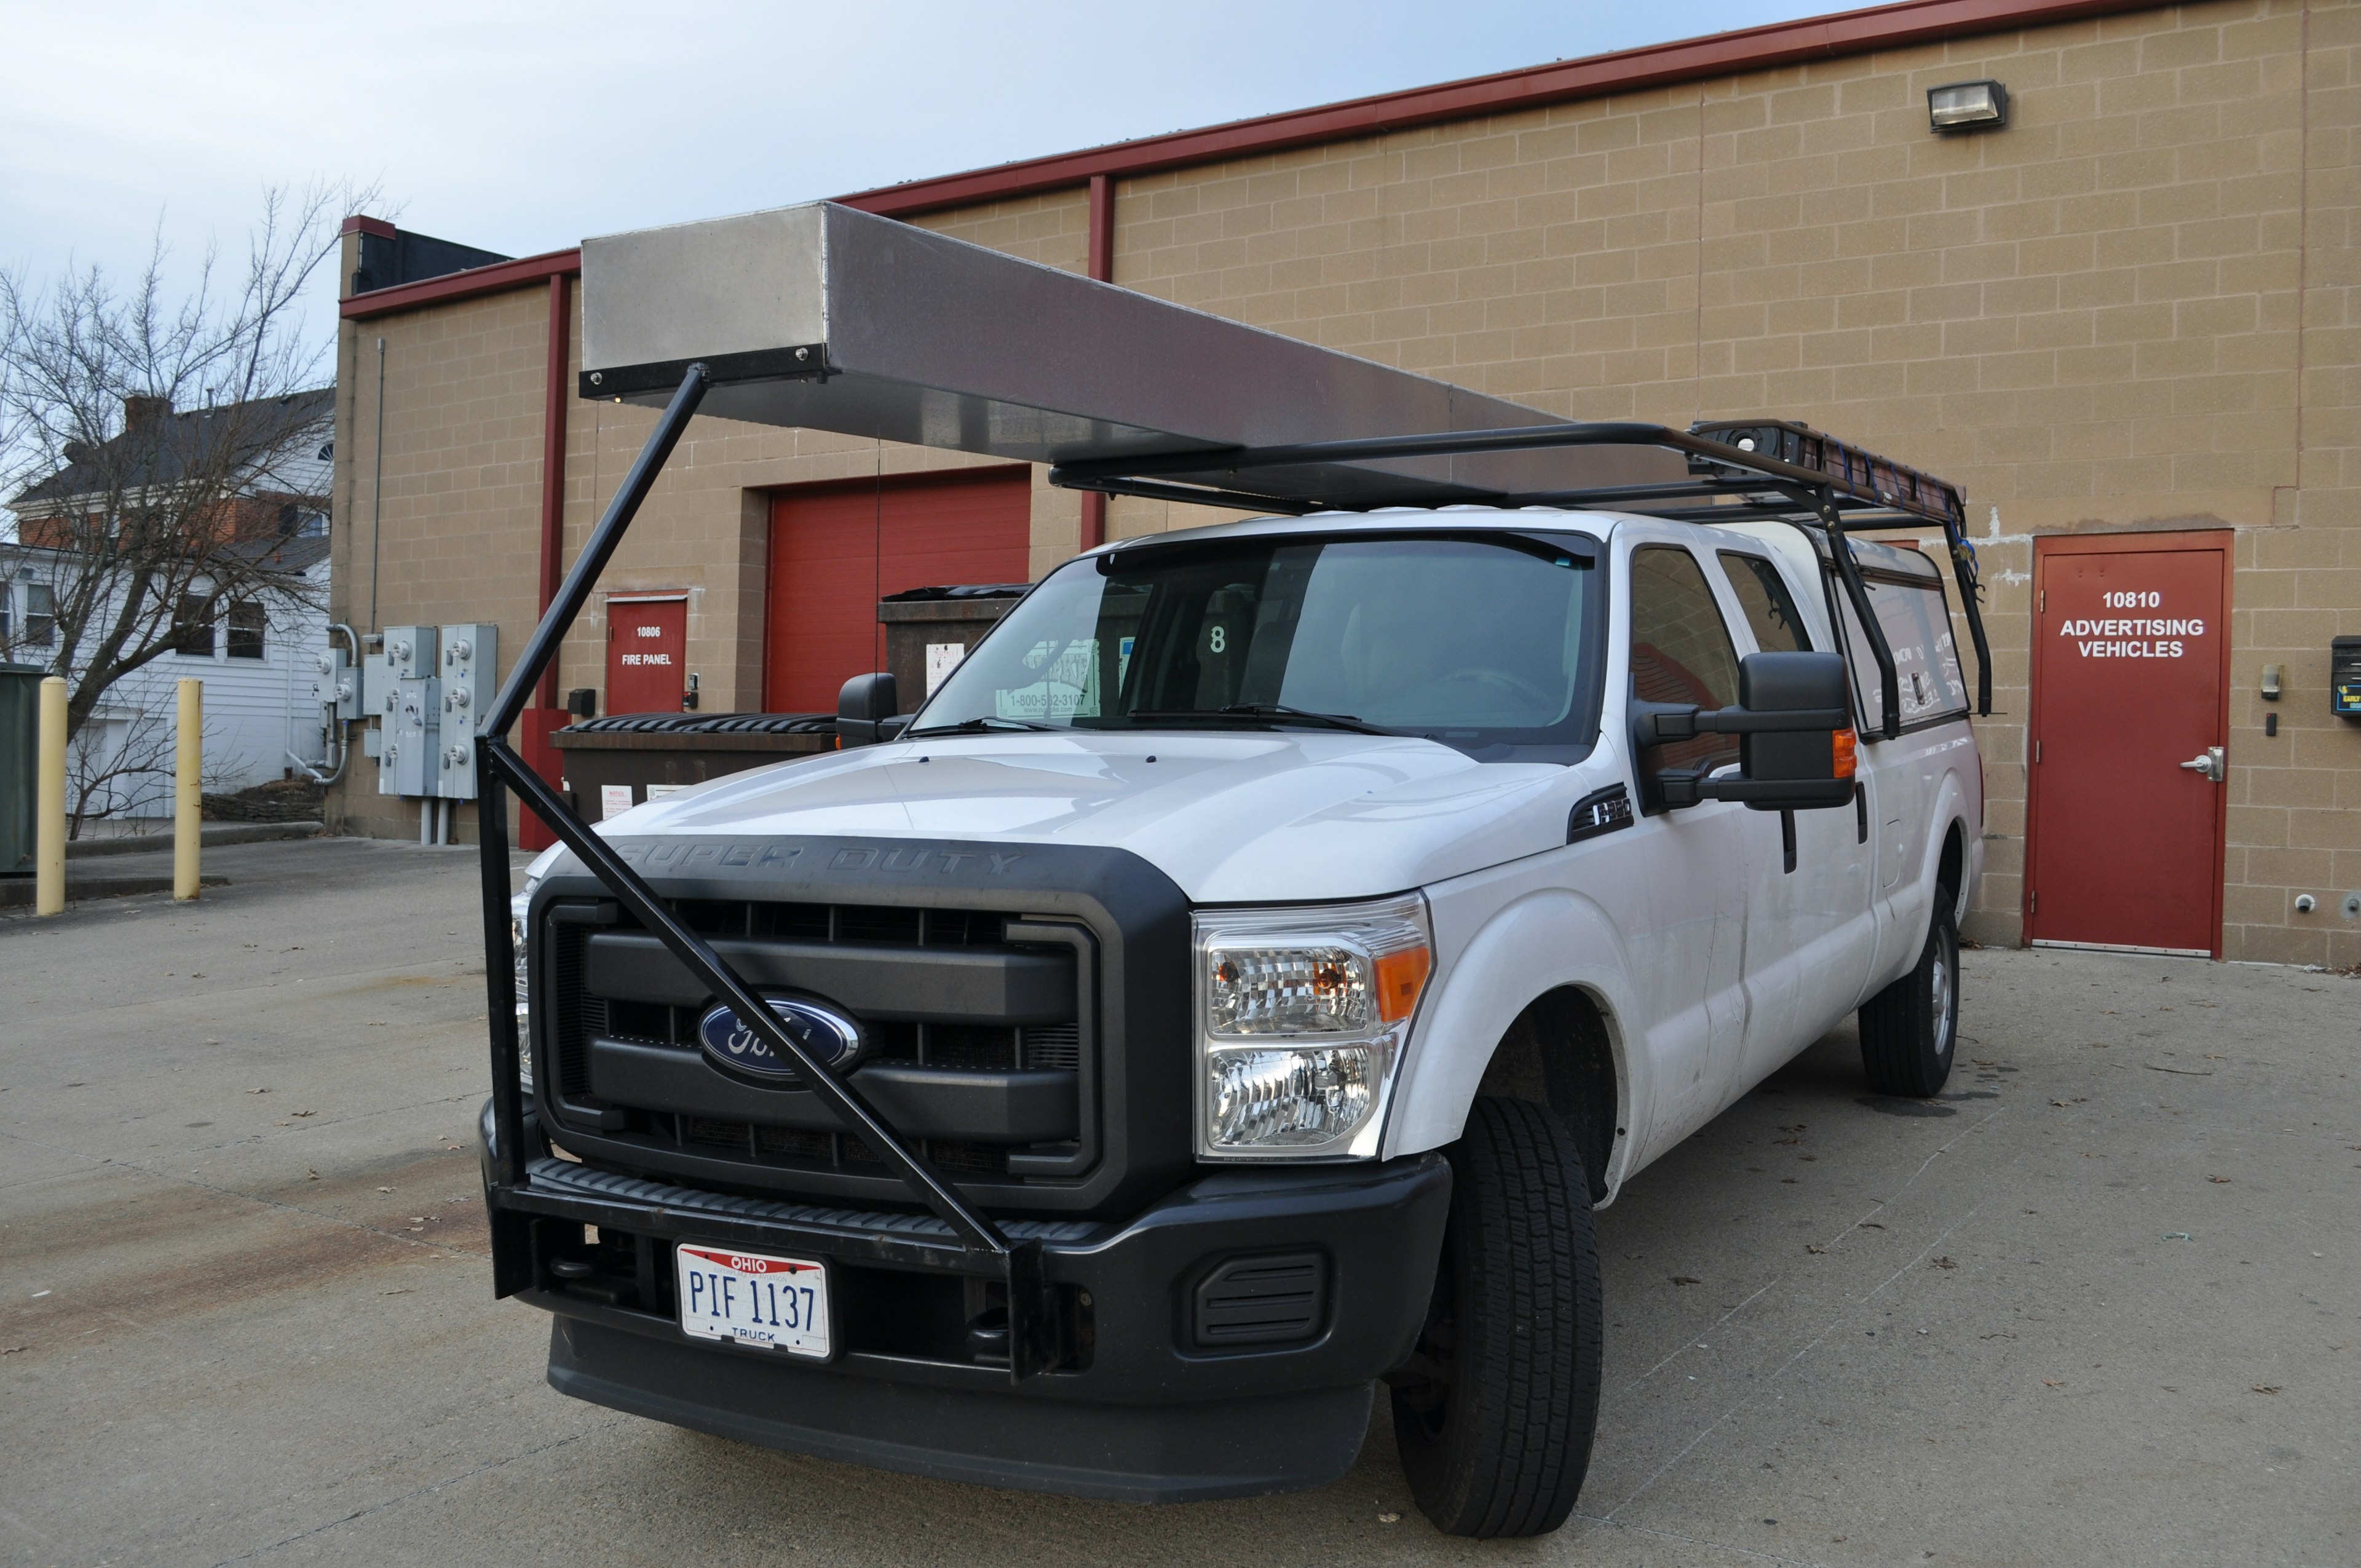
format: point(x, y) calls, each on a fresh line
point(1067, 688)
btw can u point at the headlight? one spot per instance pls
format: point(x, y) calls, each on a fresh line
point(517, 908)
point(1301, 1018)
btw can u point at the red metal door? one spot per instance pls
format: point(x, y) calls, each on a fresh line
point(2131, 646)
point(836, 550)
point(647, 651)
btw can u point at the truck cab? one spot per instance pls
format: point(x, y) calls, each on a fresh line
point(1288, 933)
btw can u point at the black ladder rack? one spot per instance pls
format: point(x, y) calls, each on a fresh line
point(1738, 471)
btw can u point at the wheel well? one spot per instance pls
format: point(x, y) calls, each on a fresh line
point(1953, 866)
point(1558, 1054)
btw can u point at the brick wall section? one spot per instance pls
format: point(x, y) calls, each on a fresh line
point(2132, 309)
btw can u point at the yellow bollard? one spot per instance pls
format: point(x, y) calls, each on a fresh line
point(188, 764)
point(50, 806)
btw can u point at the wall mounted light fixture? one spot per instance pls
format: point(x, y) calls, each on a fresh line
point(1967, 106)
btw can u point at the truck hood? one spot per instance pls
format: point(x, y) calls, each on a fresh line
point(1229, 817)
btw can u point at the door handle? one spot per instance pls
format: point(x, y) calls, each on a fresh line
point(2212, 765)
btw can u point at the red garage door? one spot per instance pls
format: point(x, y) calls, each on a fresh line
point(836, 550)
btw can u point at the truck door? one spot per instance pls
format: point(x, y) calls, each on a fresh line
point(1681, 651)
point(1809, 931)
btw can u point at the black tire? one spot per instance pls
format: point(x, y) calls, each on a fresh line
point(1494, 1418)
point(1910, 1031)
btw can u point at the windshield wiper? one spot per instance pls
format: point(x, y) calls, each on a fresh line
point(978, 725)
point(1269, 710)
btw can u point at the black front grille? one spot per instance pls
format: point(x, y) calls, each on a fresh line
point(576, 1014)
point(994, 1048)
point(899, 938)
point(887, 925)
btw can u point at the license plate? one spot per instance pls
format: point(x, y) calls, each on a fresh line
point(779, 1302)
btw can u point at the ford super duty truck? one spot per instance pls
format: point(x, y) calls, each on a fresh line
point(1286, 934)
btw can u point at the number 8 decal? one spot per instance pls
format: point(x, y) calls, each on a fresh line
point(1218, 640)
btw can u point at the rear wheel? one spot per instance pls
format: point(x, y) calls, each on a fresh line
point(1495, 1414)
point(1909, 1029)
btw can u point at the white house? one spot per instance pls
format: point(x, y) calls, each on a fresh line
point(257, 650)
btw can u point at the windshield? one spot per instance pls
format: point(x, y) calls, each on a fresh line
point(1481, 642)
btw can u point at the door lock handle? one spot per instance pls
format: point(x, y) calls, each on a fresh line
point(2212, 765)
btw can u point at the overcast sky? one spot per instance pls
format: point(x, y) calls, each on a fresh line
point(523, 128)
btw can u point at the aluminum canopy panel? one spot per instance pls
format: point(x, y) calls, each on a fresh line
point(827, 318)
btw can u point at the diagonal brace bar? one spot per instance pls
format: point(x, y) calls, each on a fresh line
point(491, 803)
point(1036, 1331)
point(649, 908)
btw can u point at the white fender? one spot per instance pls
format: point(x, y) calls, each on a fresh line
point(1952, 804)
point(1542, 942)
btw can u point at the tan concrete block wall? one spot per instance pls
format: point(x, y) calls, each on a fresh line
point(453, 528)
point(2132, 309)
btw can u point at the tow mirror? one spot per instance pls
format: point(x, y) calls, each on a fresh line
point(865, 710)
point(1795, 741)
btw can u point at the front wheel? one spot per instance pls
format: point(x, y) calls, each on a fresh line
point(1908, 1030)
point(1495, 1414)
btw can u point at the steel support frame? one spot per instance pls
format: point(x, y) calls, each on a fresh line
point(1034, 1336)
point(1837, 506)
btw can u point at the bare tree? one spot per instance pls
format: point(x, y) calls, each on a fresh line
point(160, 515)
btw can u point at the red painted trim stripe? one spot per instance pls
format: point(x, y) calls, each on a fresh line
point(1723, 54)
point(518, 274)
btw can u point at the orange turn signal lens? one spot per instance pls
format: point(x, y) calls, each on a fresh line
point(1400, 977)
point(1848, 753)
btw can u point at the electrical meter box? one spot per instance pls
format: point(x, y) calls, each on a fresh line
point(2345, 677)
point(411, 650)
point(407, 654)
point(408, 765)
point(338, 685)
point(470, 667)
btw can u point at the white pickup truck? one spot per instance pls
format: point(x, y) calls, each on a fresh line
point(1296, 929)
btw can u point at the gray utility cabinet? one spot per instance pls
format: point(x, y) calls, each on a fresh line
point(20, 752)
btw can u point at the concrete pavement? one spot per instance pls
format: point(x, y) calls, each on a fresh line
point(2096, 1305)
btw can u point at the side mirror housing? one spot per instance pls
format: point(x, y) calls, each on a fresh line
point(1795, 769)
point(1796, 745)
point(864, 709)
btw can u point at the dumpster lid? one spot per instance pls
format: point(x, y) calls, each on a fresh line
point(707, 724)
point(960, 591)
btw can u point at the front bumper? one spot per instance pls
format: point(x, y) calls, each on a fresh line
point(1151, 1405)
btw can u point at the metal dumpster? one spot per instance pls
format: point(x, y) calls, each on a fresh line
point(930, 631)
point(615, 763)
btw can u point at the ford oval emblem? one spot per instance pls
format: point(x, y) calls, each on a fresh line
point(831, 1037)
